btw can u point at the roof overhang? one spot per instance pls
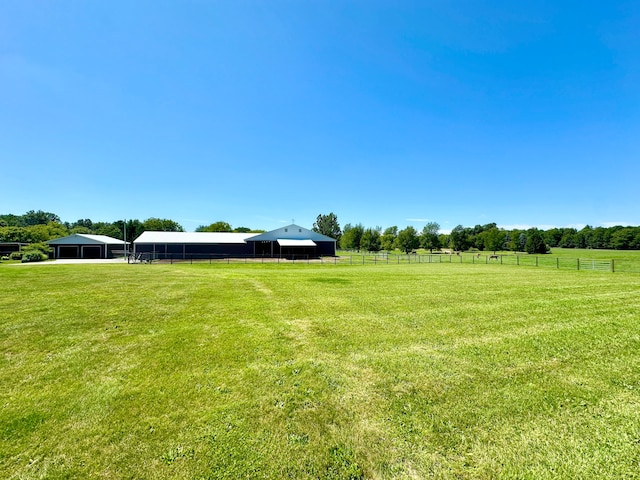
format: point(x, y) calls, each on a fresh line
point(287, 242)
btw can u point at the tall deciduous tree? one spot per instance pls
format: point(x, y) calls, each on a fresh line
point(215, 227)
point(429, 237)
point(39, 218)
point(407, 239)
point(351, 237)
point(494, 239)
point(459, 238)
point(388, 238)
point(327, 225)
point(162, 225)
point(370, 240)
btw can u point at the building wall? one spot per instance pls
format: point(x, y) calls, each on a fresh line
point(180, 250)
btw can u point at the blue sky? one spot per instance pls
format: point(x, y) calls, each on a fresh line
point(259, 113)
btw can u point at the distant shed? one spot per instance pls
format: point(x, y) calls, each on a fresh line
point(82, 245)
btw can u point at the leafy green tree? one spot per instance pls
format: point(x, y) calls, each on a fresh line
point(460, 238)
point(518, 240)
point(552, 237)
point(351, 237)
point(407, 239)
point(388, 238)
point(622, 239)
point(535, 242)
point(83, 223)
point(370, 241)
point(568, 239)
point(38, 218)
point(80, 230)
point(429, 237)
point(10, 220)
point(161, 225)
point(494, 239)
point(134, 229)
point(108, 229)
point(215, 227)
point(327, 225)
point(635, 244)
point(13, 234)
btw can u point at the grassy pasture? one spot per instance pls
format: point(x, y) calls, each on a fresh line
point(560, 258)
point(318, 371)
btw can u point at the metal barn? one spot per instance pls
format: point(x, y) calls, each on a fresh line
point(192, 244)
point(293, 241)
point(290, 241)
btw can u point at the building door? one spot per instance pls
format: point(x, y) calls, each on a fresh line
point(91, 251)
point(68, 251)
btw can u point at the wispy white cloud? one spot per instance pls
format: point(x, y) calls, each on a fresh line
point(615, 224)
point(526, 226)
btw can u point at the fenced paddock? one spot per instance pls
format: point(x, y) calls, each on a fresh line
point(519, 260)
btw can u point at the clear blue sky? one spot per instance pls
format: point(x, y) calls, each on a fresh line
point(383, 112)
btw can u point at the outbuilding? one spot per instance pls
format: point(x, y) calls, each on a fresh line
point(82, 245)
point(7, 248)
point(192, 244)
point(290, 241)
point(293, 241)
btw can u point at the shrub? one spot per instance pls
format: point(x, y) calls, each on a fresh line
point(15, 256)
point(40, 247)
point(34, 256)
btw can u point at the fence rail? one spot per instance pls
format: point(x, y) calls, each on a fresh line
point(524, 260)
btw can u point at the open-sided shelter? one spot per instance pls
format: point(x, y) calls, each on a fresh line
point(9, 247)
point(82, 245)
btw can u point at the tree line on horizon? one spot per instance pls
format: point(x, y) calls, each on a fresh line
point(39, 226)
point(488, 237)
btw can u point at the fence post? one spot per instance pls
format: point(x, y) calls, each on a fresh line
point(517, 259)
point(578, 264)
point(536, 260)
point(557, 262)
point(613, 269)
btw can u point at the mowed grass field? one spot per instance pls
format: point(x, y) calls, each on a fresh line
point(318, 371)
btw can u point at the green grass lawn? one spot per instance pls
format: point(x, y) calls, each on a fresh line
point(318, 371)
